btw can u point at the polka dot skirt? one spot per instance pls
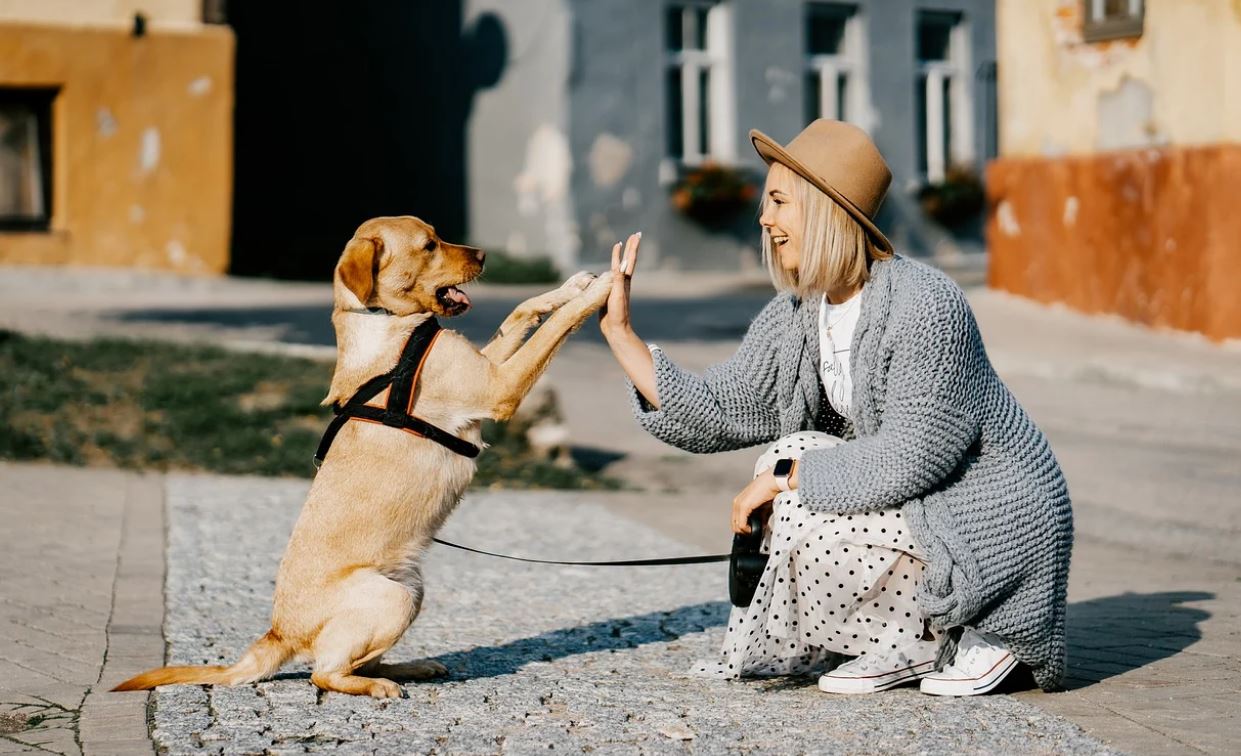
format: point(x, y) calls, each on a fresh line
point(834, 584)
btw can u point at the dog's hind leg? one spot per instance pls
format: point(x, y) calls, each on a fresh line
point(420, 669)
point(373, 619)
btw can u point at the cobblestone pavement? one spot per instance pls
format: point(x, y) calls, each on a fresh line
point(542, 657)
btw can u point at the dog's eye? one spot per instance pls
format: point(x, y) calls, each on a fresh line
point(429, 246)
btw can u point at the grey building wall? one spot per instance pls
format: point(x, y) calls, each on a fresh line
point(565, 152)
point(518, 160)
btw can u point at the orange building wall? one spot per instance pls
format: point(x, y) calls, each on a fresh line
point(1153, 234)
point(142, 144)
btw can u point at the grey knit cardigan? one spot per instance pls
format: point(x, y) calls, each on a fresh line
point(937, 433)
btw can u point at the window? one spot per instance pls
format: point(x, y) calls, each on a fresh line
point(26, 159)
point(698, 83)
point(834, 58)
point(1112, 19)
point(944, 108)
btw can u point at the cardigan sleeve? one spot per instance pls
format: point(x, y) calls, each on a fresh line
point(732, 405)
point(930, 417)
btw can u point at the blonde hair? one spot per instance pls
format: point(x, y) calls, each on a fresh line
point(835, 250)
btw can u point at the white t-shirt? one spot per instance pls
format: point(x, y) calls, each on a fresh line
point(836, 325)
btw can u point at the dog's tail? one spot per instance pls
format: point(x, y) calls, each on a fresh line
point(267, 655)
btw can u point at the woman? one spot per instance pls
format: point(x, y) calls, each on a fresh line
point(932, 543)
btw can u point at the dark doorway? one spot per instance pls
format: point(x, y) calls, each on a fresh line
point(346, 111)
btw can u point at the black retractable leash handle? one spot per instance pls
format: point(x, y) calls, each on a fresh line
point(746, 563)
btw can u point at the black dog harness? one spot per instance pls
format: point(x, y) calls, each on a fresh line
point(402, 380)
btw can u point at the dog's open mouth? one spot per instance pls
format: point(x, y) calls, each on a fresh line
point(453, 300)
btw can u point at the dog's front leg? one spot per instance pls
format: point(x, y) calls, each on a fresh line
point(513, 378)
point(508, 339)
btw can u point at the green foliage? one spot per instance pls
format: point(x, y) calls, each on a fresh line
point(138, 404)
point(504, 268)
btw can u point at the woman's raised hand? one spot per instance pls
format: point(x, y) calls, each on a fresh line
point(614, 317)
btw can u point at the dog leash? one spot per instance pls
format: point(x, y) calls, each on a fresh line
point(700, 559)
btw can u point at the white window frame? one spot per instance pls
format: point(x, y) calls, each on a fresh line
point(954, 70)
point(851, 63)
point(717, 61)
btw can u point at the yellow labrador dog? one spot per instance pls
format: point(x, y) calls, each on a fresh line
point(350, 584)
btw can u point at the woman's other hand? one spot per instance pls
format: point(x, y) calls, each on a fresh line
point(762, 490)
point(614, 317)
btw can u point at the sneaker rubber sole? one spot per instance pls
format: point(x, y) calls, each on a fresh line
point(970, 686)
point(874, 683)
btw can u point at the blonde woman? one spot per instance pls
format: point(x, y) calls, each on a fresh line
point(920, 527)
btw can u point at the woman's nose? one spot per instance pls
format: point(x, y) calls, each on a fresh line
point(768, 217)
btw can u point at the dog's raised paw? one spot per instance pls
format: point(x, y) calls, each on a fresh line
point(579, 281)
point(599, 289)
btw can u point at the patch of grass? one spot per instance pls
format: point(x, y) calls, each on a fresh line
point(152, 405)
point(503, 268)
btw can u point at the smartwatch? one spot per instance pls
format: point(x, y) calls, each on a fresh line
point(781, 472)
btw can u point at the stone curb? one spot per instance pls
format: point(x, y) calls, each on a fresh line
point(117, 722)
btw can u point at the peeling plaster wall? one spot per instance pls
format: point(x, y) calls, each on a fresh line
point(518, 158)
point(142, 138)
point(1117, 188)
point(1149, 234)
point(167, 13)
point(1176, 84)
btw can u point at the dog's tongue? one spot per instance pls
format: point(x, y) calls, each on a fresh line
point(456, 295)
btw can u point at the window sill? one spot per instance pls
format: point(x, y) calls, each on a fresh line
point(1105, 31)
point(25, 227)
point(10, 232)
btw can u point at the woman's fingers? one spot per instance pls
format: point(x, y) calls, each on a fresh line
point(616, 260)
point(631, 252)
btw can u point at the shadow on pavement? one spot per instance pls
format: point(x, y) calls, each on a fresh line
point(1107, 637)
point(724, 318)
point(605, 635)
point(1116, 634)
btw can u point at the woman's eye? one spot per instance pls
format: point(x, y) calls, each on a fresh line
point(430, 245)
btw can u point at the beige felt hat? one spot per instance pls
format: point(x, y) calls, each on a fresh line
point(842, 161)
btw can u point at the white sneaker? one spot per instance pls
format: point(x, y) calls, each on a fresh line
point(983, 661)
point(872, 673)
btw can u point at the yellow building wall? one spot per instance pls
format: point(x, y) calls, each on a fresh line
point(1116, 189)
point(1178, 84)
point(95, 12)
point(142, 144)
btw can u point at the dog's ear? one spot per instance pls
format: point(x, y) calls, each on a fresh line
point(358, 265)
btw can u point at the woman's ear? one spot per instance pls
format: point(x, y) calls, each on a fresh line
point(357, 267)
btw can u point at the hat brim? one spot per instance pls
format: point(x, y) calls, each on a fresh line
point(771, 151)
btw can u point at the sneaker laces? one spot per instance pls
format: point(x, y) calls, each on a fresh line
point(894, 659)
point(973, 645)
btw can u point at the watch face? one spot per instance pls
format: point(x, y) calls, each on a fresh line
point(783, 468)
